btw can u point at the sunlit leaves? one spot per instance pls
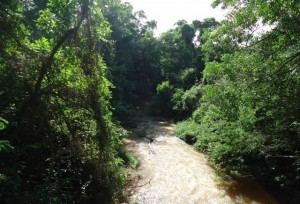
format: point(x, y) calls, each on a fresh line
point(3, 123)
point(42, 46)
point(5, 146)
point(68, 125)
point(47, 21)
point(101, 25)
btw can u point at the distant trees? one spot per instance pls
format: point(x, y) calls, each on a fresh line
point(132, 57)
point(181, 66)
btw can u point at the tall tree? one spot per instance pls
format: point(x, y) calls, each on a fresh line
point(181, 66)
point(131, 57)
point(55, 104)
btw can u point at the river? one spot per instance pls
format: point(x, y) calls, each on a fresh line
point(171, 171)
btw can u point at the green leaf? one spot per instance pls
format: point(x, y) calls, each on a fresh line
point(3, 123)
point(6, 146)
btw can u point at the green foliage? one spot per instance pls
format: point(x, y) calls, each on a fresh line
point(58, 59)
point(188, 131)
point(6, 146)
point(123, 111)
point(127, 157)
point(161, 102)
point(132, 57)
point(188, 77)
point(177, 53)
point(184, 103)
point(249, 113)
point(181, 64)
point(60, 145)
point(3, 123)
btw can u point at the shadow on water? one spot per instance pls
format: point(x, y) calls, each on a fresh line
point(247, 191)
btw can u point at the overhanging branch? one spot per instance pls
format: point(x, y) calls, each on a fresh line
point(47, 64)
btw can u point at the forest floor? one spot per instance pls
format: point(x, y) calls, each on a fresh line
point(171, 171)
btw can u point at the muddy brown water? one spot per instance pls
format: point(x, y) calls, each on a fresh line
point(172, 171)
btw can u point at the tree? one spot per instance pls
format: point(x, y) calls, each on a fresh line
point(249, 112)
point(56, 101)
point(131, 56)
point(181, 65)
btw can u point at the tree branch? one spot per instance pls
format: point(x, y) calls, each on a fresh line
point(46, 65)
point(34, 97)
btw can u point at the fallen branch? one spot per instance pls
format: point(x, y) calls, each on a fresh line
point(143, 184)
point(150, 139)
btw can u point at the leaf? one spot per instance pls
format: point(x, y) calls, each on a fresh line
point(3, 123)
point(6, 146)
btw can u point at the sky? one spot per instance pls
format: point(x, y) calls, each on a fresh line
point(168, 12)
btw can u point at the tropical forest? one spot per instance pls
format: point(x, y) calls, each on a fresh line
point(96, 107)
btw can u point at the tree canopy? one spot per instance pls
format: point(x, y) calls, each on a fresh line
point(73, 73)
point(58, 141)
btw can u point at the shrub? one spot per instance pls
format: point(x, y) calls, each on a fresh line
point(188, 131)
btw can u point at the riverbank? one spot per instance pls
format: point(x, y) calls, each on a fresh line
point(170, 171)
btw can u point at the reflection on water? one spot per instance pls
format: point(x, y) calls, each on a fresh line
point(173, 172)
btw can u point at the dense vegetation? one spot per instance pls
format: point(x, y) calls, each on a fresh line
point(58, 141)
point(132, 57)
point(72, 72)
point(247, 119)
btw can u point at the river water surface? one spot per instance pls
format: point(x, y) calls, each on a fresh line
point(171, 171)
